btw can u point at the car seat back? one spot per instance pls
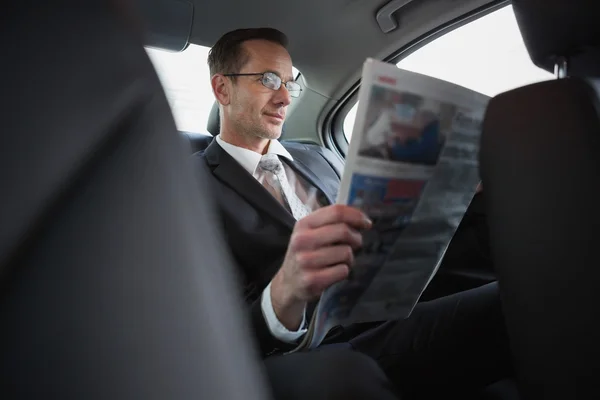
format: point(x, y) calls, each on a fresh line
point(114, 281)
point(540, 160)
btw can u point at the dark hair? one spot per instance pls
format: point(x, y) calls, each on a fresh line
point(227, 56)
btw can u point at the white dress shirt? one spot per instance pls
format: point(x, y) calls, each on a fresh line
point(249, 160)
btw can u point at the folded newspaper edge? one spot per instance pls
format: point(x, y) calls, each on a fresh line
point(412, 167)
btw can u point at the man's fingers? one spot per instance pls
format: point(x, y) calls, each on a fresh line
point(325, 257)
point(335, 214)
point(326, 236)
point(321, 246)
point(320, 279)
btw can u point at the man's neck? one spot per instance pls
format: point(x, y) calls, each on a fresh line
point(256, 144)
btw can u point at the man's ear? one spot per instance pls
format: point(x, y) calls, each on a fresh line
point(221, 87)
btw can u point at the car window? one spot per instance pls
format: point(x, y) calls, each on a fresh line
point(487, 55)
point(186, 81)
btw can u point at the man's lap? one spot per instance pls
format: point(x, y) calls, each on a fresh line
point(449, 344)
point(334, 372)
point(456, 341)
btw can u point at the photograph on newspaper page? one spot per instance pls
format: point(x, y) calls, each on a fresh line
point(412, 167)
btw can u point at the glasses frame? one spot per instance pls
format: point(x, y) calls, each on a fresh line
point(281, 82)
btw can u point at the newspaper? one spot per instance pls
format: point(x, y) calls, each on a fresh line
point(412, 167)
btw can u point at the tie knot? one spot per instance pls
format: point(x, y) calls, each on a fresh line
point(270, 162)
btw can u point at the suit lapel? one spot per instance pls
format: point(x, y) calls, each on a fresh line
point(230, 172)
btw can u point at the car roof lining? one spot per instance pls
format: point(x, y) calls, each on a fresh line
point(315, 27)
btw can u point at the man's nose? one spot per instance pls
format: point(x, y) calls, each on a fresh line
point(282, 96)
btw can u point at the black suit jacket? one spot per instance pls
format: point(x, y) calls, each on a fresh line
point(257, 227)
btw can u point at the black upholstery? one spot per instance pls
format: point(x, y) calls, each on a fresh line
point(540, 163)
point(567, 28)
point(114, 282)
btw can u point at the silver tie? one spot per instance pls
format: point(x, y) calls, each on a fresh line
point(270, 162)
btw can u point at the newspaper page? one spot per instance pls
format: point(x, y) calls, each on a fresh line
point(412, 167)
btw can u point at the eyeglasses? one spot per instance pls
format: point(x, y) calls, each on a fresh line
point(272, 81)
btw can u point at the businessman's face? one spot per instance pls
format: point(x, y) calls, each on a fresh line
point(256, 110)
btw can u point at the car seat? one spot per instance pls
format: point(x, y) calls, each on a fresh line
point(110, 287)
point(540, 165)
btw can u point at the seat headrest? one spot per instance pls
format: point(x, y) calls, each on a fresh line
point(561, 28)
point(213, 125)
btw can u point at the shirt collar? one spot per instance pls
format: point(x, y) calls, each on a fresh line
point(249, 159)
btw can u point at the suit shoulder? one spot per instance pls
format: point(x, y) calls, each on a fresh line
point(199, 154)
point(308, 147)
point(319, 152)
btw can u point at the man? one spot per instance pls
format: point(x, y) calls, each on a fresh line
point(290, 243)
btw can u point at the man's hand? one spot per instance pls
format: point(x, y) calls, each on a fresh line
point(320, 253)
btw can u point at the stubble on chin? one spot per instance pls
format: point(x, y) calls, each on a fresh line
point(266, 132)
point(252, 129)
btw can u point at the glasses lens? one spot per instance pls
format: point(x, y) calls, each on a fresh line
point(293, 88)
point(271, 80)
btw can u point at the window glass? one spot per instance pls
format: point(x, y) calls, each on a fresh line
point(186, 81)
point(487, 55)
